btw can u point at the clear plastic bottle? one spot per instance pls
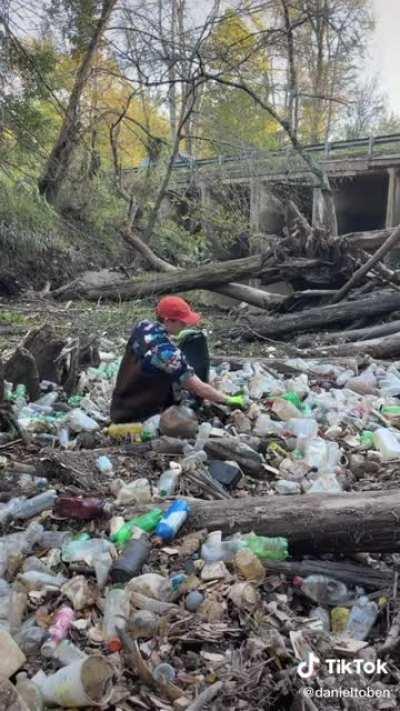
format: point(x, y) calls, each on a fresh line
point(173, 519)
point(322, 589)
point(86, 550)
point(321, 614)
point(79, 421)
point(116, 612)
point(28, 508)
point(214, 549)
point(104, 465)
point(169, 480)
point(362, 618)
point(387, 443)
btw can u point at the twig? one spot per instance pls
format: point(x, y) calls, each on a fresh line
point(205, 697)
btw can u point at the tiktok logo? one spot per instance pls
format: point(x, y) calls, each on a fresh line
point(307, 669)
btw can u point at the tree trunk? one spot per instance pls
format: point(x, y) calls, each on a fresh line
point(255, 297)
point(383, 250)
point(379, 348)
point(313, 523)
point(358, 334)
point(62, 152)
point(316, 318)
point(206, 276)
point(346, 572)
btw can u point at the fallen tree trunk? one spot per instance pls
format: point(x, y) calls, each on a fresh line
point(357, 334)
point(206, 276)
point(381, 252)
point(380, 348)
point(313, 523)
point(282, 366)
point(254, 297)
point(349, 573)
point(315, 318)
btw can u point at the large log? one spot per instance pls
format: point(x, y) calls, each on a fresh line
point(357, 334)
point(316, 318)
point(379, 348)
point(206, 276)
point(313, 523)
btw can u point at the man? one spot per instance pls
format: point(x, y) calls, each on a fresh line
point(153, 365)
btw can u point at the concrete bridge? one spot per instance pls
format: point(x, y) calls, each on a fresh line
point(364, 174)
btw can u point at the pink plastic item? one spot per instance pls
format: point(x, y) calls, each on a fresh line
point(62, 623)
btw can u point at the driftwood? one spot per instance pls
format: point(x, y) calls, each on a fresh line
point(317, 318)
point(379, 348)
point(346, 572)
point(282, 366)
point(357, 334)
point(313, 523)
point(22, 369)
point(381, 252)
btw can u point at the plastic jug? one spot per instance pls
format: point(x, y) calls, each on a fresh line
point(387, 443)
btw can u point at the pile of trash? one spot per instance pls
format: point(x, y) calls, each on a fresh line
point(110, 594)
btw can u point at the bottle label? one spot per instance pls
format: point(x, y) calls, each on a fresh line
point(176, 519)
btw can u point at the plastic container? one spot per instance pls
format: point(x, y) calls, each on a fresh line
point(137, 491)
point(285, 410)
point(79, 421)
point(148, 522)
point(134, 431)
point(173, 520)
point(362, 618)
point(84, 683)
point(132, 560)
point(390, 384)
point(214, 549)
point(387, 443)
point(62, 623)
point(367, 439)
point(79, 508)
point(104, 465)
point(285, 487)
point(27, 508)
point(116, 612)
point(322, 589)
point(86, 550)
point(325, 484)
point(169, 480)
point(267, 548)
point(322, 615)
point(339, 619)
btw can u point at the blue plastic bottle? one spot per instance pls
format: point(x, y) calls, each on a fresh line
point(174, 518)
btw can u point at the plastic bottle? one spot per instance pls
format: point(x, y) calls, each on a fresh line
point(169, 480)
point(27, 508)
point(80, 508)
point(387, 443)
point(132, 560)
point(59, 629)
point(134, 431)
point(267, 548)
point(319, 613)
point(104, 465)
point(339, 619)
point(391, 411)
point(322, 589)
point(173, 519)
point(79, 421)
point(116, 612)
point(147, 523)
point(87, 551)
point(214, 549)
point(367, 439)
point(285, 410)
point(294, 398)
point(202, 436)
point(362, 618)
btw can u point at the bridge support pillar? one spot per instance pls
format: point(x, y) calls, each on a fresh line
point(266, 210)
point(393, 198)
point(323, 212)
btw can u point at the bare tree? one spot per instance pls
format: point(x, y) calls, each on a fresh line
point(69, 136)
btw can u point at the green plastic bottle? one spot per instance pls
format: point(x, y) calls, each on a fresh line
point(294, 399)
point(267, 548)
point(367, 439)
point(147, 523)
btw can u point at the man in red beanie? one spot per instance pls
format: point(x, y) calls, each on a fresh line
point(152, 365)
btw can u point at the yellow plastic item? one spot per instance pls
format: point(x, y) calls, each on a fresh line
point(132, 430)
point(276, 448)
point(339, 619)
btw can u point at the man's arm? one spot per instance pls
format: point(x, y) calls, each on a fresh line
point(204, 390)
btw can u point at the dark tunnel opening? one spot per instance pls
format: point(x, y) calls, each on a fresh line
point(361, 202)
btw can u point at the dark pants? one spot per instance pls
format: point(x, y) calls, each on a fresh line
point(138, 395)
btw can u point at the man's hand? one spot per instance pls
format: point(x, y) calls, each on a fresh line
point(237, 401)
